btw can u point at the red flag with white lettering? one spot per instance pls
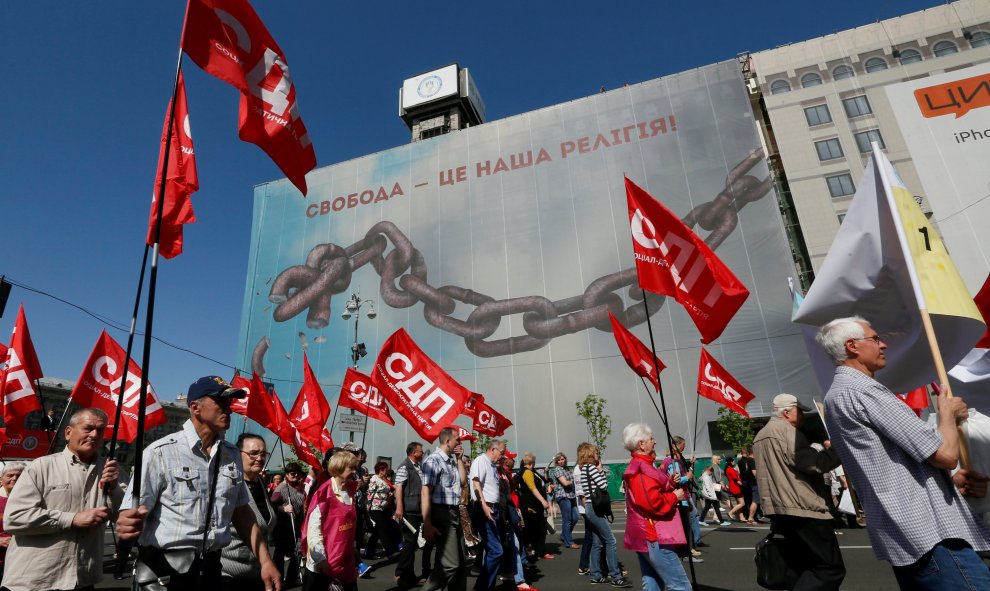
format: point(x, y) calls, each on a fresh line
point(714, 383)
point(359, 394)
point(23, 370)
point(638, 356)
point(672, 260)
point(240, 405)
point(303, 451)
point(419, 389)
point(311, 410)
point(181, 179)
point(471, 405)
point(99, 386)
point(489, 422)
point(228, 40)
point(326, 442)
point(463, 434)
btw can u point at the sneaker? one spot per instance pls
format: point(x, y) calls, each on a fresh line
point(725, 523)
point(695, 552)
point(694, 559)
point(363, 569)
point(584, 571)
point(620, 583)
point(599, 581)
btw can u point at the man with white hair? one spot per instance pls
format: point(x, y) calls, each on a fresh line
point(899, 465)
point(793, 492)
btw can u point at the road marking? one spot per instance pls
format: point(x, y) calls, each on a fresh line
point(750, 548)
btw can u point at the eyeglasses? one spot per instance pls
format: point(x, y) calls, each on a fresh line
point(256, 454)
point(875, 338)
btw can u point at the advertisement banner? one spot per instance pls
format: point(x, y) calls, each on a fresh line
point(945, 121)
point(502, 248)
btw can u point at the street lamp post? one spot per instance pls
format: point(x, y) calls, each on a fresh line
point(358, 350)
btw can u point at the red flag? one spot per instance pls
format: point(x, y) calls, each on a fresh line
point(419, 389)
point(672, 260)
point(326, 442)
point(638, 357)
point(228, 40)
point(181, 179)
point(265, 408)
point(240, 405)
point(717, 384)
point(23, 370)
point(463, 434)
point(982, 300)
point(286, 430)
point(916, 399)
point(24, 444)
point(311, 410)
point(490, 422)
point(303, 452)
point(99, 386)
point(359, 394)
point(471, 405)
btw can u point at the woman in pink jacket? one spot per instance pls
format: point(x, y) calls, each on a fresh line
point(653, 529)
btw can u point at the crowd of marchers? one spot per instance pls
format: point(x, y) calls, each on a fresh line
point(207, 515)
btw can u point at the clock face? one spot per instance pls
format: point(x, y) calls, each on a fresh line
point(429, 86)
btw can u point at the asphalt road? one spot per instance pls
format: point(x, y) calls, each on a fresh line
point(728, 563)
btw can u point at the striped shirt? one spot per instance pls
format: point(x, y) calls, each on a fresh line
point(440, 471)
point(884, 446)
point(175, 487)
point(591, 479)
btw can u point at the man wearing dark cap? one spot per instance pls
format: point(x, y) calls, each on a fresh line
point(192, 491)
point(792, 492)
point(288, 499)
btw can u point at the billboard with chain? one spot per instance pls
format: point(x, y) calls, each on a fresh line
point(501, 249)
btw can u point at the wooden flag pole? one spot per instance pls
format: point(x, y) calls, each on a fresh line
point(943, 378)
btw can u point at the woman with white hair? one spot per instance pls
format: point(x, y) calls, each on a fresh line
point(653, 529)
point(8, 478)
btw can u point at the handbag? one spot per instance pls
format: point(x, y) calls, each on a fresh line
point(601, 503)
point(846, 503)
point(772, 570)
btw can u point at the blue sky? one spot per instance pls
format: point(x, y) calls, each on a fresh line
point(87, 85)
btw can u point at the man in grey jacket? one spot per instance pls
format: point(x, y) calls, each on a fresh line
point(792, 492)
point(241, 569)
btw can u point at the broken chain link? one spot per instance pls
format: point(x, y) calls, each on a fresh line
point(328, 270)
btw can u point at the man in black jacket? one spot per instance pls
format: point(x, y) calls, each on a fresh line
point(408, 486)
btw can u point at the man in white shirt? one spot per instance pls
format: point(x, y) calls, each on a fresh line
point(487, 513)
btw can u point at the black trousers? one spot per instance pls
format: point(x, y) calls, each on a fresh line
point(813, 550)
point(405, 566)
point(382, 532)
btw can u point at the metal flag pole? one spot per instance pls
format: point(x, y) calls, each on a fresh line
point(681, 508)
point(697, 405)
point(152, 284)
point(650, 396)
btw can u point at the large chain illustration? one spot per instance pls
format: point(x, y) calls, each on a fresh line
point(328, 270)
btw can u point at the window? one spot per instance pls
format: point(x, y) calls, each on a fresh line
point(817, 115)
point(857, 106)
point(909, 56)
point(865, 138)
point(779, 87)
point(811, 79)
point(842, 72)
point(829, 149)
point(840, 185)
point(979, 39)
point(875, 64)
point(943, 48)
point(841, 217)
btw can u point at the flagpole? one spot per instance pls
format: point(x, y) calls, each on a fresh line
point(694, 444)
point(127, 356)
point(650, 396)
point(152, 284)
point(684, 511)
point(943, 376)
point(364, 433)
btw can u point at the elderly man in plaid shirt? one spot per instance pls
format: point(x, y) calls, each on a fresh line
point(443, 473)
point(900, 466)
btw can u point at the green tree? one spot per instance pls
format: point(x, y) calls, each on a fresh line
point(734, 428)
point(592, 410)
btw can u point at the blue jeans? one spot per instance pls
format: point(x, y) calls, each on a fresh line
point(695, 525)
point(601, 534)
point(662, 570)
point(585, 560)
point(492, 537)
point(569, 513)
point(950, 566)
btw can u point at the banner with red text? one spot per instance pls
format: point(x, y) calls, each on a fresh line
point(359, 394)
point(25, 444)
point(99, 387)
point(419, 389)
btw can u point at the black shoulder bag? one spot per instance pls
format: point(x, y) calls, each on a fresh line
point(601, 503)
point(772, 564)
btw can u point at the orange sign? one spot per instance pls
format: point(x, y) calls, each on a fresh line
point(957, 97)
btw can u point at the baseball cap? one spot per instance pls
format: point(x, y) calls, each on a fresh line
point(788, 401)
point(510, 455)
point(213, 386)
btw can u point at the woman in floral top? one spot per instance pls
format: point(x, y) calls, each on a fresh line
point(381, 497)
point(563, 493)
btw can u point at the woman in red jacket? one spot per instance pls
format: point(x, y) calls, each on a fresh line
point(653, 529)
point(735, 489)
